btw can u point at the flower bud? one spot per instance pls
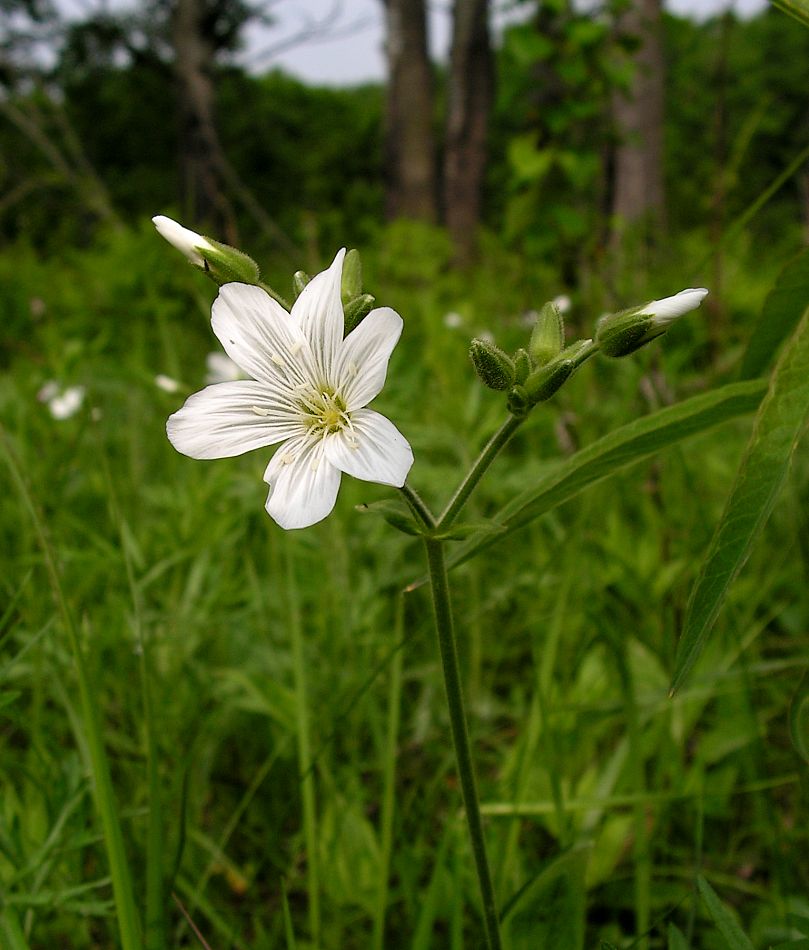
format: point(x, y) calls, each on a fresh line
point(299, 280)
point(522, 365)
point(494, 367)
point(357, 310)
point(619, 334)
point(544, 382)
point(548, 336)
point(220, 261)
point(352, 276)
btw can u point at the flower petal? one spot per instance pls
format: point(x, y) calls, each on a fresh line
point(219, 422)
point(318, 312)
point(363, 360)
point(303, 483)
point(375, 452)
point(260, 336)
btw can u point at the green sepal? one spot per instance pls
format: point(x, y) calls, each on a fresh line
point(548, 335)
point(495, 368)
point(351, 286)
point(517, 401)
point(522, 366)
point(356, 310)
point(226, 264)
point(620, 334)
point(299, 280)
point(395, 514)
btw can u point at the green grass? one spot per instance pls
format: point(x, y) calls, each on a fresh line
point(271, 711)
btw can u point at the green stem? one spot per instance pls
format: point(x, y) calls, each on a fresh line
point(304, 750)
point(484, 460)
point(460, 736)
point(417, 506)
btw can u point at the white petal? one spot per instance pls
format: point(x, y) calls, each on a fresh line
point(376, 451)
point(187, 242)
point(670, 308)
point(260, 336)
point(363, 361)
point(318, 312)
point(219, 422)
point(303, 483)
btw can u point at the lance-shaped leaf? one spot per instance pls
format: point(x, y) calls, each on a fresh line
point(780, 314)
point(625, 446)
point(779, 424)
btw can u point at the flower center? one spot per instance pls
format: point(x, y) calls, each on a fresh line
point(324, 411)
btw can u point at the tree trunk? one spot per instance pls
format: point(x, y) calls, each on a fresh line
point(638, 195)
point(470, 94)
point(201, 155)
point(409, 148)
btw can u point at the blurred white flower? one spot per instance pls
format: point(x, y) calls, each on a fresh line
point(166, 383)
point(62, 403)
point(453, 320)
point(562, 303)
point(529, 318)
point(37, 307)
point(186, 241)
point(309, 389)
point(221, 369)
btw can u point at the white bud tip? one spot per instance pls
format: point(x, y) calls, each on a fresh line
point(186, 241)
point(670, 308)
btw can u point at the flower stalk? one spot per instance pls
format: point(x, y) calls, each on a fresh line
point(442, 607)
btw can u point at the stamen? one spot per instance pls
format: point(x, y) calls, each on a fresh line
point(314, 464)
point(261, 411)
point(295, 348)
point(287, 458)
point(277, 360)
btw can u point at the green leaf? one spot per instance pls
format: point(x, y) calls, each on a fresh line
point(625, 446)
point(779, 423)
point(782, 310)
point(726, 923)
point(396, 515)
point(463, 530)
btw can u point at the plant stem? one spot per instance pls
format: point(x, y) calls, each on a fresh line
point(304, 750)
point(460, 736)
point(417, 506)
point(484, 460)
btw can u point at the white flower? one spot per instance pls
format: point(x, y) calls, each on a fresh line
point(668, 309)
point(221, 368)
point(62, 403)
point(308, 389)
point(166, 383)
point(453, 320)
point(187, 242)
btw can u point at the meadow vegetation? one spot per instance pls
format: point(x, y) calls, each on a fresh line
point(271, 702)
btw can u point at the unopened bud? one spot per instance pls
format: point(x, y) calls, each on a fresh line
point(619, 334)
point(547, 380)
point(548, 336)
point(522, 365)
point(220, 261)
point(352, 276)
point(494, 367)
point(357, 310)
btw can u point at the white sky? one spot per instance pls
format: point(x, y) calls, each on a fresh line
point(355, 53)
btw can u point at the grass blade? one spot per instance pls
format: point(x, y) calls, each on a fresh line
point(799, 9)
point(11, 934)
point(780, 421)
point(128, 921)
point(625, 446)
point(726, 923)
